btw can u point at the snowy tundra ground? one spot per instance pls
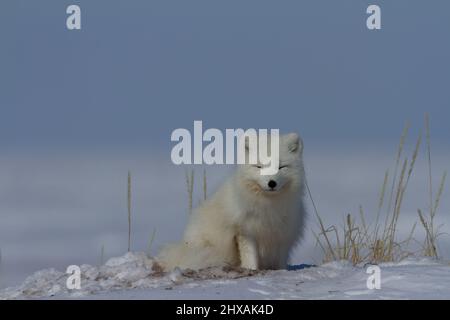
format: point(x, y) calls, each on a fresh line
point(60, 209)
point(133, 276)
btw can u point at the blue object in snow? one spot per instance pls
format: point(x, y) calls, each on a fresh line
point(300, 266)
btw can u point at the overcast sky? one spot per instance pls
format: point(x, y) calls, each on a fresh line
point(139, 69)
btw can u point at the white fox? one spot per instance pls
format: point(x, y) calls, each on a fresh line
point(253, 221)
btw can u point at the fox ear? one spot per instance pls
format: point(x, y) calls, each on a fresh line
point(294, 143)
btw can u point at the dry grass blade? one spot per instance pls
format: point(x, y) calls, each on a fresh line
point(204, 185)
point(190, 189)
point(129, 210)
point(439, 194)
point(432, 233)
point(430, 239)
point(102, 255)
point(430, 177)
point(323, 231)
point(150, 243)
point(381, 203)
point(397, 162)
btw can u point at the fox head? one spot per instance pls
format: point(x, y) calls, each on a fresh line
point(289, 174)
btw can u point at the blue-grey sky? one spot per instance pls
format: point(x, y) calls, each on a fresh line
point(139, 69)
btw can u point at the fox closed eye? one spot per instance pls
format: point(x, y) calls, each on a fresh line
point(279, 168)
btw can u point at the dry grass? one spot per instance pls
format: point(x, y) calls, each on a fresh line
point(150, 243)
point(102, 255)
point(189, 177)
point(129, 209)
point(190, 188)
point(428, 222)
point(1, 266)
point(152, 236)
point(358, 242)
point(205, 189)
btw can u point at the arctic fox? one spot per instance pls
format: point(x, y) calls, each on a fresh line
point(253, 221)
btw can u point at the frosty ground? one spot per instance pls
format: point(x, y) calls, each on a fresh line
point(135, 276)
point(62, 209)
point(59, 210)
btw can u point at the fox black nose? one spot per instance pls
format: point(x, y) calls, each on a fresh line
point(272, 184)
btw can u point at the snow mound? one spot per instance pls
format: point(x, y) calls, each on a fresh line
point(133, 270)
point(136, 276)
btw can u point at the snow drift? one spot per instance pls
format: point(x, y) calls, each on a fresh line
point(136, 276)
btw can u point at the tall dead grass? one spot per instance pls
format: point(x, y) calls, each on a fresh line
point(189, 177)
point(129, 209)
point(359, 242)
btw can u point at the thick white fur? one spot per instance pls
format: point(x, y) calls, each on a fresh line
point(245, 223)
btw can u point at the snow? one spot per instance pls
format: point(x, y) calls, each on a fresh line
point(136, 276)
point(71, 209)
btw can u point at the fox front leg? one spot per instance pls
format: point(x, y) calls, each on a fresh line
point(248, 252)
